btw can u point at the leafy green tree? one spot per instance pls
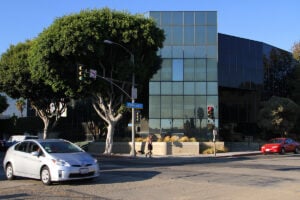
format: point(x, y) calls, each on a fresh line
point(15, 81)
point(79, 39)
point(3, 103)
point(278, 115)
point(296, 50)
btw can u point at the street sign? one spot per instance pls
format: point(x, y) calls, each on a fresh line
point(134, 105)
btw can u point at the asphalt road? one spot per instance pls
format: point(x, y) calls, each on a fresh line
point(243, 177)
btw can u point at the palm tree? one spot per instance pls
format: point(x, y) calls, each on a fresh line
point(20, 104)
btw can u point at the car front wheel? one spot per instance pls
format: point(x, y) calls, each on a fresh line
point(45, 176)
point(297, 150)
point(9, 172)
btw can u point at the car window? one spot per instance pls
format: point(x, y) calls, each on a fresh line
point(33, 147)
point(60, 147)
point(21, 146)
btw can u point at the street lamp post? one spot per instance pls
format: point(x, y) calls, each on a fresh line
point(133, 96)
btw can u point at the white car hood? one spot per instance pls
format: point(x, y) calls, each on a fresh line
point(75, 159)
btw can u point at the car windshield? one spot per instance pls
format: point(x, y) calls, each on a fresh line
point(60, 147)
point(276, 141)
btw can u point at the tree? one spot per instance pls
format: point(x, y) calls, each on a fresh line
point(296, 50)
point(3, 103)
point(78, 39)
point(20, 104)
point(16, 81)
point(278, 115)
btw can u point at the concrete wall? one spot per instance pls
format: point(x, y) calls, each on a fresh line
point(159, 148)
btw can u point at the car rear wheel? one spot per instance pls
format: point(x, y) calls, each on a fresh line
point(9, 172)
point(282, 151)
point(45, 176)
point(297, 150)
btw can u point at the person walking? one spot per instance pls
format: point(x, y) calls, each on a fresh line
point(149, 146)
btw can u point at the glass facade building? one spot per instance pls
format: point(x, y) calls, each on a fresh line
point(249, 72)
point(187, 83)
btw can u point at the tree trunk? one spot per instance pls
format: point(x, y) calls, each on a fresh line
point(109, 138)
point(46, 126)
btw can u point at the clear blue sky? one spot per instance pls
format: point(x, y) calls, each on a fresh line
point(275, 22)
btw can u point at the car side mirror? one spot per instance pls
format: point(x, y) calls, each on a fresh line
point(35, 153)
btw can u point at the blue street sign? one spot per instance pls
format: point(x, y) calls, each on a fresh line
point(134, 105)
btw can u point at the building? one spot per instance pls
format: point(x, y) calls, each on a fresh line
point(209, 79)
point(187, 84)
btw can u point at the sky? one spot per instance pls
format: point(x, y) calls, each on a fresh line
point(275, 22)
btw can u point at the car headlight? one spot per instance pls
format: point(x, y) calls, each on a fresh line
point(60, 162)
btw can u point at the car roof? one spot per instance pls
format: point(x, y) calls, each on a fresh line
point(45, 140)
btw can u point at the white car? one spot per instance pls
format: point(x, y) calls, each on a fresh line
point(50, 160)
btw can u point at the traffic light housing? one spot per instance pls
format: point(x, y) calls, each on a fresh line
point(81, 72)
point(210, 112)
point(138, 116)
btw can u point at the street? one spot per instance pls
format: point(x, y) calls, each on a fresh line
point(244, 177)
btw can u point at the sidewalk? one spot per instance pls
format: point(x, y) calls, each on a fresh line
point(227, 154)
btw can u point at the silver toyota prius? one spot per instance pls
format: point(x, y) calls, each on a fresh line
point(50, 160)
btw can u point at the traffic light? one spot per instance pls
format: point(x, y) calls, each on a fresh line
point(138, 116)
point(210, 112)
point(81, 72)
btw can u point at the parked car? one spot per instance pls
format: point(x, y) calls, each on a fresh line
point(50, 160)
point(281, 145)
point(17, 138)
point(2, 145)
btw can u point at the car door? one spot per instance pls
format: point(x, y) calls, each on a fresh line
point(33, 161)
point(19, 158)
point(289, 145)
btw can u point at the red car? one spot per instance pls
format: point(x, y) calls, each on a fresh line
point(281, 145)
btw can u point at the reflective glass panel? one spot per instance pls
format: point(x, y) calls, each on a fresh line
point(166, 124)
point(211, 36)
point(154, 125)
point(177, 18)
point(177, 106)
point(200, 69)
point(212, 70)
point(154, 88)
point(188, 18)
point(177, 126)
point(200, 18)
point(177, 52)
point(188, 35)
point(154, 106)
point(189, 88)
point(166, 106)
point(189, 69)
point(166, 18)
point(177, 35)
point(212, 88)
point(177, 88)
point(201, 107)
point(166, 88)
point(200, 88)
point(211, 18)
point(189, 51)
point(200, 35)
point(189, 107)
point(177, 70)
point(166, 52)
point(166, 70)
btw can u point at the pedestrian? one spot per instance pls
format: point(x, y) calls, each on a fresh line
point(149, 146)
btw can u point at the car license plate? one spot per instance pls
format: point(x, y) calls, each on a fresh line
point(84, 170)
point(267, 149)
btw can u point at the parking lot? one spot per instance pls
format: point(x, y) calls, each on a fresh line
point(242, 177)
